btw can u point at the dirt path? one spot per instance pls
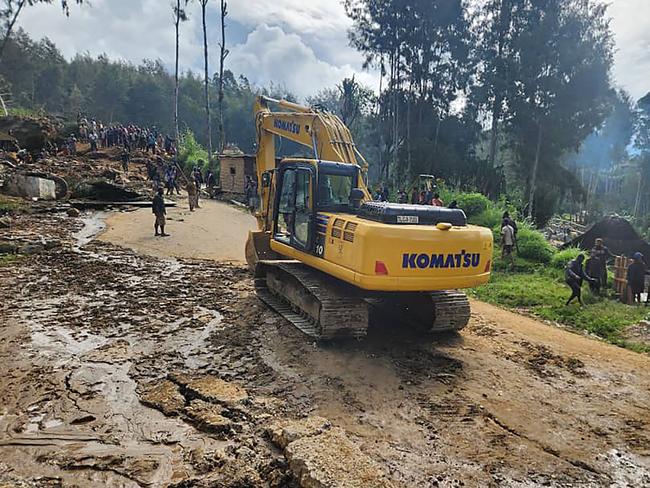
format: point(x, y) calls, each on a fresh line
point(100, 345)
point(216, 231)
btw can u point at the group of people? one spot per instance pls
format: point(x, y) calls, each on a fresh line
point(171, 173)
point(594, 272)
point(128, 136)
point(418, 197)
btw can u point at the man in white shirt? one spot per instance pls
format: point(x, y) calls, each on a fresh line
point(507, 243)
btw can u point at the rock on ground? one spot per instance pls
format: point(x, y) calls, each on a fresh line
point(284, 432)
point(163, 396)
point(211, 389)
point(332, 460)
point(208, 417)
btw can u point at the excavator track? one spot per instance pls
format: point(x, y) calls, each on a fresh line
point(437, 311)
point(320, 306)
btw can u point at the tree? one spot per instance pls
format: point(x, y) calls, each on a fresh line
point(179, 16)
point(208, 123)
point(563, 50)
point(423, 47)
point(223, 53)
point(12, 8)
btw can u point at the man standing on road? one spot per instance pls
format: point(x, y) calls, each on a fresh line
point(158, 208)
point(192, 195)
point(507, 243)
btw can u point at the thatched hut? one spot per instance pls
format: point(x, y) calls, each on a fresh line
point(617, 233)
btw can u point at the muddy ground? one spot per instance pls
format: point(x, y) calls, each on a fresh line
point(124, 369)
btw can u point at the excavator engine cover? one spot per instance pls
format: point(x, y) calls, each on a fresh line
point(395, 213)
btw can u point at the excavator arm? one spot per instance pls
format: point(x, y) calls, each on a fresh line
point(324, 133)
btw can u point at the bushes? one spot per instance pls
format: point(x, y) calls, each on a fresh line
point(561, 258)
point(532, 245)
point(490, 218)
point(472, 203)
point(190, 152)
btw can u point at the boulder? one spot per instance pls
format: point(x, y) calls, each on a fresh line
point(32, 133)
point(104, 191)
point(73, 212)
point(284, 432)
point(332, 460)
point(26, 186)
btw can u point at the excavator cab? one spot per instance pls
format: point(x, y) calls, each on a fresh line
point(305, 188)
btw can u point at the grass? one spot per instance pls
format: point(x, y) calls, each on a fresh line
point(8, 204)
point(8, 259)
point(541, 291)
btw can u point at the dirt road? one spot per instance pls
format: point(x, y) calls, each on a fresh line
point(216, 231)
point(123, 369)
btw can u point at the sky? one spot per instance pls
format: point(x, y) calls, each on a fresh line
point(301, 45)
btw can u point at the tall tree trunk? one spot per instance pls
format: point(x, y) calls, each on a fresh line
point(222, 59)
point(208, 122)
point(395, 116)
point(504, 25)
point(10, 28)
point(177, 21)
point(533, 176)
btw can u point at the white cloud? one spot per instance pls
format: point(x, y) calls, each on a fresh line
point(632, 35)
point(271, 55)
point(308, 38)
point(123, 29)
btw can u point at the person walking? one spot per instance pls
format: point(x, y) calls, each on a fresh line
point(192, 195)
point(636, 277)
point(507, 244)
point(158, 209)
point(573, 276)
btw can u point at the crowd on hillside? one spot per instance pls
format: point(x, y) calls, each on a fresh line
point(130, 137)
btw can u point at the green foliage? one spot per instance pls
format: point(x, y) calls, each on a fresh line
point(472, 203)
point(543, 293)
point(8, 204)
point(490, 218)
point(8, 259)
point(561, 258)
point(532, 244)
point(191, 153)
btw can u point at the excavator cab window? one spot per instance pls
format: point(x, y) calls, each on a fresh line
point(295, 208)
point(335, 184)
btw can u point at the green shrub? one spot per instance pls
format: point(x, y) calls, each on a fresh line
point(191, 152)
point(532, 245)
point(561, 258)
point(472, 203)
point(490, 218)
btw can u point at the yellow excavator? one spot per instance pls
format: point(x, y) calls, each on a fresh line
point(326, 255)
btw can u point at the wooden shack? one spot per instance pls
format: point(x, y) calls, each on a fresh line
point(234, 168)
